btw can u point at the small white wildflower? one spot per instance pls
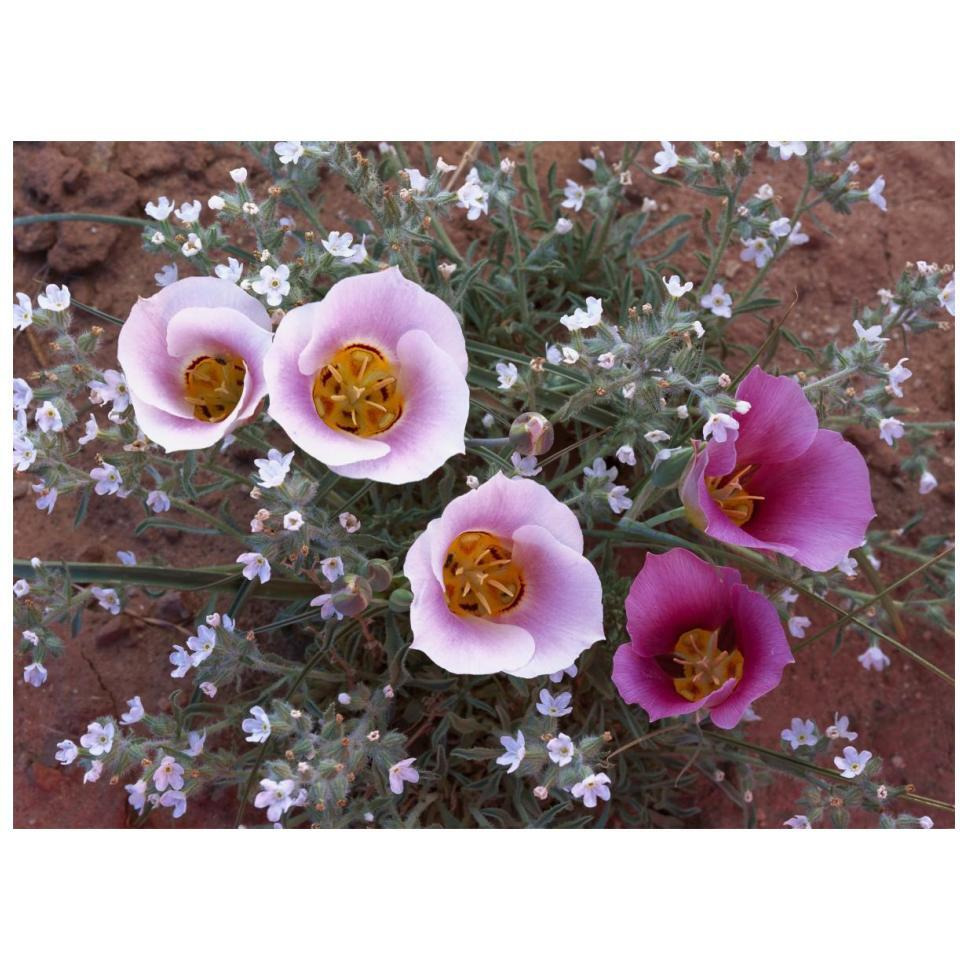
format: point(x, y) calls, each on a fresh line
point(873, 658)
point(718, 426)
point(159, 210)
point(665, 158)
point(875, 194)
point(853, 762)
point(618, 500)
point(789, 148)
point(928, 482)
point(292, 520)
point(718, 301)
point(802, 733)
point(897, 375)
point(192, 246)
point(675, 288)
point(574, 195)
point(507, 374)
point(48, 418)
point(890, 429)
point(289, 151)
point(256, 566)
point(232, 270)
point(189, 212)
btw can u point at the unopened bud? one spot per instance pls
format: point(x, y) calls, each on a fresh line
point(532, 434)
point(400, 600)
point(379, 574)
point(354, 597)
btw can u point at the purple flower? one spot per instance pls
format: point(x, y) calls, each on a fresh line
point(516, 751)
point(853, 762)
point(137, 794)
point(554, 706)
point(403, 771)
point(193, 358)
point(176, 799)
point(371, 380)
point(168, 774)
point(560, 749)
point(257, 725)
point(780, 483)
point(500, 582)
point(699, 640)
point(276, 797)
point(35, 674)
point(592, 787)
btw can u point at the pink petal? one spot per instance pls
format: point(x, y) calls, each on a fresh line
point(674, 592)
point(379, 307)
point(705, 513)
point(819, 503)
point(642, 681)
point(500, 506)
point(459, 644)
point(780, 425)
point(156, 345)
point(435, 409)
point(291, 395)
point(562, 604)
point(761, 640)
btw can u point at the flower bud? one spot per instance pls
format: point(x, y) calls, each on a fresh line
point(532, 433)
point(400, 600)
point(354, 596)
point(379, 573)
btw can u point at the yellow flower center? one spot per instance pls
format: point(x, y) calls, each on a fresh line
point(480, 578)
point(706, 667)
point(214, 386)
point(357, 391)
point(732, 496)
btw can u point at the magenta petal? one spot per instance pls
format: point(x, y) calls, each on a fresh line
point(674, 592)
point(761, 640)
point(500, 506)
point(780, 425)
point(459, 644)
point(562, 604)
point(678, 593)
point(641, 680)
point(436, 405)
point(819, 503)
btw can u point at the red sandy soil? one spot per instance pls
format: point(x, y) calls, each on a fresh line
point(904, 714)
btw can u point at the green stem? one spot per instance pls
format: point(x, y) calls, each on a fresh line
point(812, 767)
point(88, 217)
point(173, 578)
point(518, 263)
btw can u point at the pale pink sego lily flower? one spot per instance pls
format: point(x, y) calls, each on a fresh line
point(780, 483)
point(500, 583)
point(715, 645)
point(193, 356)
point(371, 381)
